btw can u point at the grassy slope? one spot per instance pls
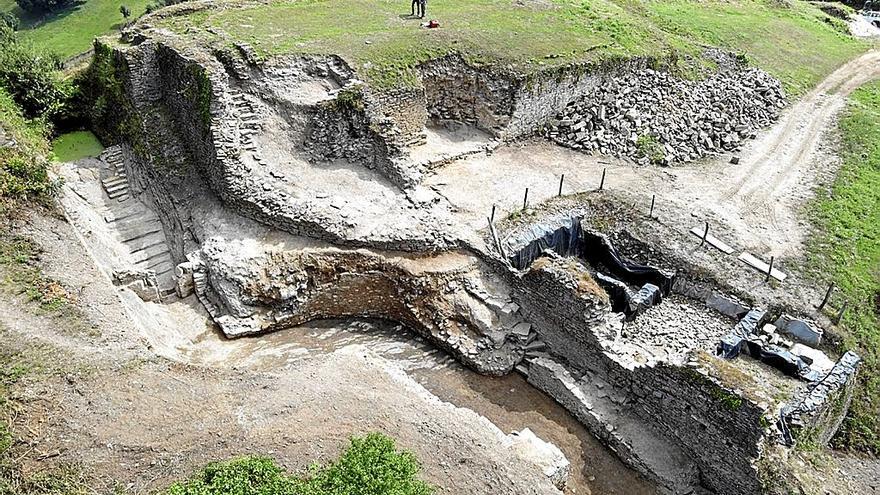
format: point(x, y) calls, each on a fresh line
point(71, 31)
point(848, 250)
point(795, 44)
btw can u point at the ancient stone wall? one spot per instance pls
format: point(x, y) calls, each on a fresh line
point(719, 429)
point(400, 115)
point(460, 92)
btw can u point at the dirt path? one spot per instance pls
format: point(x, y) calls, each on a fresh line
point(757, 203)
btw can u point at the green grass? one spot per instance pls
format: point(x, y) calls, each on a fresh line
point(76, 146)
point(371, 465)
point(71, 31)
point(23, 172)
point(795, 44)
point(848, 250)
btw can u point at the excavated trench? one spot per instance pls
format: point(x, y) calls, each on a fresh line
point(298, 199)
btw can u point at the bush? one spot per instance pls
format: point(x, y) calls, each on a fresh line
point(31, 77)
point(10, 20)
point(23, 172)
point(372, 465)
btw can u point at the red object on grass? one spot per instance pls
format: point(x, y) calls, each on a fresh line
point(433, 23)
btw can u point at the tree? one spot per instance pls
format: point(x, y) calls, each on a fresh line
point(40, 7)
point(125, 11)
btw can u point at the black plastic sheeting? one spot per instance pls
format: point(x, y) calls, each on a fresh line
point(597, 249)
point(565, 240)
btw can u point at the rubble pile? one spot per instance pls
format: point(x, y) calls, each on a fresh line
point(654, 117)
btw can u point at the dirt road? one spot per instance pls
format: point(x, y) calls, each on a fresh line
point(757, 203)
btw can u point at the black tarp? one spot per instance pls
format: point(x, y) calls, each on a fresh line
point(597, 249)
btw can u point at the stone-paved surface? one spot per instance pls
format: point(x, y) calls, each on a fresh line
point(672, 328)
point(650, 114)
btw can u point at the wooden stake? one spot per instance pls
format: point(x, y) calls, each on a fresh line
point(492, 217)
point(705, 235)
point(841, 312)
point(561, 180)
point(827, 297)
point(770, 269)
point(602, 183)
point(526, 199)
point(653, 197)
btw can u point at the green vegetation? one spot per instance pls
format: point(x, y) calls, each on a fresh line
point(372, 465)
point(71, 30)
point(795, 43)
point(848, 250)
point(648, 146)
point(30, 76)
point(23, 173)
point(19, 364)
point(75, 146)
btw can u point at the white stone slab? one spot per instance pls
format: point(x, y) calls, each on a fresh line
point(712, 240)
point(754, 262)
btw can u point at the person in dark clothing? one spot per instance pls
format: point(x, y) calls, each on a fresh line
point(415, 6)
point(423, 6)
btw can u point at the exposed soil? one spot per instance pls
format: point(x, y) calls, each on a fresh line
point(131, 416)
point(759, 200)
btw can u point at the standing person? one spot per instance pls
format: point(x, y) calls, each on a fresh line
point(416, 4)
point(423, 6)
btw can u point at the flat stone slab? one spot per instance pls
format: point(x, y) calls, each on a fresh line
point(712, 240)
point(754, 262)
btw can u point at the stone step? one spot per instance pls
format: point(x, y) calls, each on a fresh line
point(123, 198)
point(117, 186)
point(605, 412)
point(118, 193)
point(135, 234)
point(148, 242)
point(113, 181)
point(151, 253)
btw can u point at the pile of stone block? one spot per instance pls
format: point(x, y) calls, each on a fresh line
point(654, 116)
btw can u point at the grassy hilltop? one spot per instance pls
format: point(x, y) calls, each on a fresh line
point(792, 40)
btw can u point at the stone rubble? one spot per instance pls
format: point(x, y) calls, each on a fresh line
point(653, 116)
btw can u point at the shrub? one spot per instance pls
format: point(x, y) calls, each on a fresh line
point(30, 76)
point(372, 465)
point(42, 6)
point(10, 20)
point(649, 147)
point(125, 11)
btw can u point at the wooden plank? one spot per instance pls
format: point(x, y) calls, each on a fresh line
point(762, 267)
point(712, 240)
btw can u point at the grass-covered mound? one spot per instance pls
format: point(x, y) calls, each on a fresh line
point(792, 40)
point(848, 250)
point(372, 465)
point(72, 30)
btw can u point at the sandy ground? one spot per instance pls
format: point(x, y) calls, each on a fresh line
point(758, 200)
point(129, 408)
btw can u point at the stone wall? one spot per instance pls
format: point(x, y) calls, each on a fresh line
point(814, 416)
point(400, 115)
point(460, 92)
point(720, 429)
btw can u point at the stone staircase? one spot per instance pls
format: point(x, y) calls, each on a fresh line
point(136, 225)
point(115, 185)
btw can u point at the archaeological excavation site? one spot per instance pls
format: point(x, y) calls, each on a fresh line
point(569, 274)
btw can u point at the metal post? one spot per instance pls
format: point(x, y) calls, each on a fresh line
point(770, 270)
point(561, 180)
point(526, 199)
point(492, 217)
point(602, 183)
point(705, 235)
point(827, 296)
point(653, 197)
point(841, 312)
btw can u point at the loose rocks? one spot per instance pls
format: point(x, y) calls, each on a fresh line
point(654, 117)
